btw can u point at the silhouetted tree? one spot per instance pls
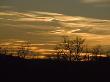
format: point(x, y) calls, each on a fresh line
point(107, 53)
point(3, 51)
point(78, 45)
point(86, 52)
point(96, 51)
point(70, 49)
point(23, 50)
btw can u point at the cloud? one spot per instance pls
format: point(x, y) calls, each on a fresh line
point(43, 19)
point(96, 1)
point(46, 13)
point(5, 13)
point(5, 7)
point(46, 25)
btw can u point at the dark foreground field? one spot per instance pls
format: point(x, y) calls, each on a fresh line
point(17, 69)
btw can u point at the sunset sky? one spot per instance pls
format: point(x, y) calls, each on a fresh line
point(43, 22)
point(89, 8)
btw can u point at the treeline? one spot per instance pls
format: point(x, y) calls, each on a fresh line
point(77, 50)
point(21, 50)
point(68, 49)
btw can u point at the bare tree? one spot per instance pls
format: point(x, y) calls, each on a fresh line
point(23, 50)
point(78, 43)
point(70, 49)
point(86, 51)
point(4, 51)
point(96, 51)
point(108, 53)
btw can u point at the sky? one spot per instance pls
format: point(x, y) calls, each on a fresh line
point(43, 22)
point(89, 8)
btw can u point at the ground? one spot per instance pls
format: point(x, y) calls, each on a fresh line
point(17, 69)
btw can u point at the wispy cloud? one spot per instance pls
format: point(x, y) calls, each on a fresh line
point(50, 26)
point(5, 7)
point(43, 19)
point(96, 1)
point(5, 13)
point(46, 13)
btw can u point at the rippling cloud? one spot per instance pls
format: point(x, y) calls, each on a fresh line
point(47, 27)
